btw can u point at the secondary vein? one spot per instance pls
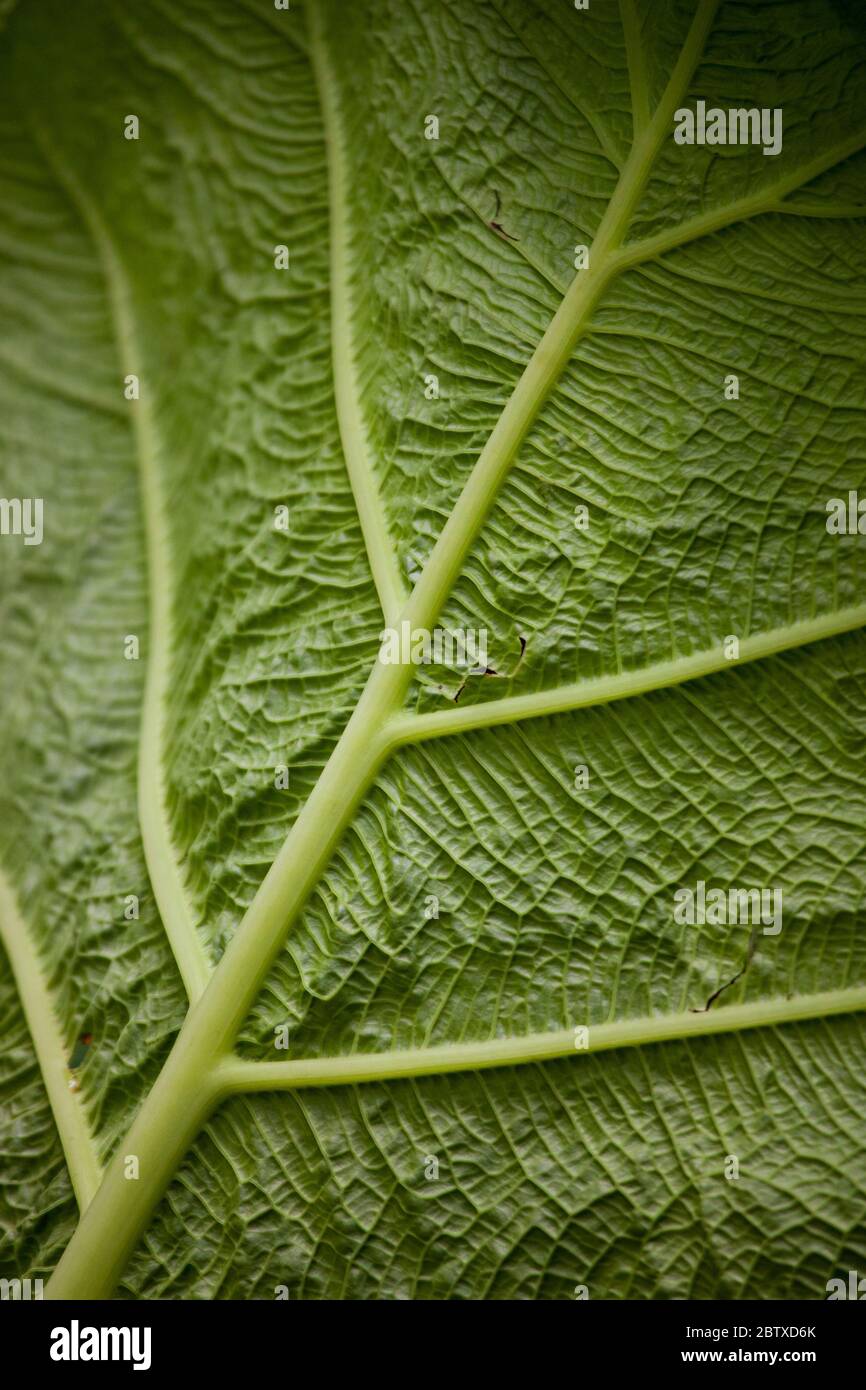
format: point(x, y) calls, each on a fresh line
point(357, 451)
point(238, 1074)
point(600, 690)
point(556, 346)
point(164, 870)
point(640, 104)
point(194, 1077)
point(763, 200)
point(79, 1147)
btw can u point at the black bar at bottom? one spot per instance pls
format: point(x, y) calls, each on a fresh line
point(263, 1338)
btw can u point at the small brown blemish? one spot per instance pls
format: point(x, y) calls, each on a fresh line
point(494, 224)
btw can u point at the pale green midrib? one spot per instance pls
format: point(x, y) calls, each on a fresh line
point(357, 451)
point(600, 690)
point(366, 740)
point(78, 1143)
point(764, 200)
point(555, 348)
point(164, 871)
point(190, 1081)
point(237, 1074)
point(187, 1086)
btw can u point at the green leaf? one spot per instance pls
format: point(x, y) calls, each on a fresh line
point(510, 1069)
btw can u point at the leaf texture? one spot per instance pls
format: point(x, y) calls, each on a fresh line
point(465, 891)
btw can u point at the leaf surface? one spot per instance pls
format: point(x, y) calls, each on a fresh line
point(478, 905)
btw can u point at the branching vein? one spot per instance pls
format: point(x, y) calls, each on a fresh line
point(599, 690)
point(52, 1049)
point(201, 1068)
point(766, 199)
point(165, 872)
point(241, 1075)
point(357, 450)
point(640, 101)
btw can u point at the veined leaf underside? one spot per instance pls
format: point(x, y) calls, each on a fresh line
point(354, 747)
